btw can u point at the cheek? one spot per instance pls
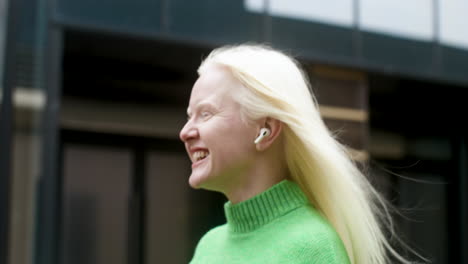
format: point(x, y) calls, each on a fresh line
point(228, 138)
point(238, 143)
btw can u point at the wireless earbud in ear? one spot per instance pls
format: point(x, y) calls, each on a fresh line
point(264, 132)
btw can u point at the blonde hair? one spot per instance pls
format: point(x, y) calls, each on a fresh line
point(276, 87)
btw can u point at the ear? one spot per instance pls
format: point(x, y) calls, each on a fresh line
point(275, 126)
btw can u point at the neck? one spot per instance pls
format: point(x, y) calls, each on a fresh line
point(267, 170)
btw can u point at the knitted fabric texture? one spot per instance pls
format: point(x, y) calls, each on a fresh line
point(276, 226)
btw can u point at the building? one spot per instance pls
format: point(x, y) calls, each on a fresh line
point(93, 95)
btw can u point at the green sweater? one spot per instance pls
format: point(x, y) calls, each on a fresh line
point(276, 226)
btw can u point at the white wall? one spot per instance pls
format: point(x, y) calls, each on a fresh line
point(454, 22)
point(336, 12)
point(410, 19)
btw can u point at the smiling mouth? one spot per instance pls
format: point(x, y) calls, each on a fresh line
point(199, 155)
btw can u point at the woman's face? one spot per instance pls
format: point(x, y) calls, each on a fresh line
point(219, 143)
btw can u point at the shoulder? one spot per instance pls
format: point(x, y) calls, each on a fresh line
point(211, 238)
point(311, 237)
point(214, 233)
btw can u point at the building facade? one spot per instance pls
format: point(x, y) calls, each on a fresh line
point(93, 95)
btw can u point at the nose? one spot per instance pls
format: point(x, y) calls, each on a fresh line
point(188, 132)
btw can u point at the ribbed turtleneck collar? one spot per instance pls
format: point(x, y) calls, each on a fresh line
point(251, 214)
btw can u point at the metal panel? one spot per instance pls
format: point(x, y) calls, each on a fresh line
point(25, 45)
point(48, 200)
point(455, 64)
point(397, 54)
point(312, 39)
point(216, 21)
point(131, 16)
point(3, 35)
point(8, 34)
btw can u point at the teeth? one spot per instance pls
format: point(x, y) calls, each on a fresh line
point(198, 155)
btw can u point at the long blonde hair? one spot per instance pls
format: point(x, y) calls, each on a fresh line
point(275, 86)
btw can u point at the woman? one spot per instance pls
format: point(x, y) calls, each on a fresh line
point(254, 133)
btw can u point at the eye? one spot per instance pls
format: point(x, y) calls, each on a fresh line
point(205, 114)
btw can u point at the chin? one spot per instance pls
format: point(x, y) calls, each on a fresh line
point(202, 177)
point(193, 183)
point(205, 182)
point(198, 181)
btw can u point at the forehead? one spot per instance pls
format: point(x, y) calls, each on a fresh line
point(215, 83)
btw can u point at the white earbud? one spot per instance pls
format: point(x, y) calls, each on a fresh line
point(264, 132)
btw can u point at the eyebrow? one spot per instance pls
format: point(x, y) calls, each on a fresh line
point(200, 105)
